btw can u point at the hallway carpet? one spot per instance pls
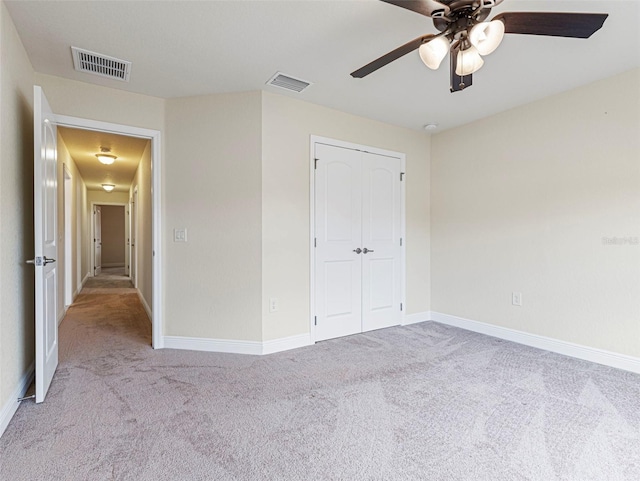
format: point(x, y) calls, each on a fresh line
point(423, 402)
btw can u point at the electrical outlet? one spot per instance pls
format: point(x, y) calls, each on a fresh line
point(273, 304)
point(516, 298)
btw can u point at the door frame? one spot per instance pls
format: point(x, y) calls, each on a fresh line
point(155, 136)
point(313, 140)
point(67, 200)
point(93, 226)
point(134, 221)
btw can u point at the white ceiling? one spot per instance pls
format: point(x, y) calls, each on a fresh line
point(84, 144)
point(183, 48)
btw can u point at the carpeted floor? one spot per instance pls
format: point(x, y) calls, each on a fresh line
point(109, 278)
point(423, 402)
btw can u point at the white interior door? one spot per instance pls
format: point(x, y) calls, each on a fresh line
point(97, 240)
point(338, 237)
point(381, 233)
point(358, 271)
point(45, 237)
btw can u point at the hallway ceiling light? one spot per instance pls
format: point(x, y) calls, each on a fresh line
point(105, 156)
point(108, 187)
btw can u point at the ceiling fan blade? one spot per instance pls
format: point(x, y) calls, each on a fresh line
point(457, 82)
point(391, 56)
point(575, 25)
point(429, 8)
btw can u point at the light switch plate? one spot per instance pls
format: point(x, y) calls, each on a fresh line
point(180, 235)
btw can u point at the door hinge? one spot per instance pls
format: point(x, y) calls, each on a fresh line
point(315, 163)
point(400, 241)
point(315, 320)
point(315, 242)
point(401, 306)
point(401, 176)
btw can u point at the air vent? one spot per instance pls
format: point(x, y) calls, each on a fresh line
point(102, 65)
point(287, 82)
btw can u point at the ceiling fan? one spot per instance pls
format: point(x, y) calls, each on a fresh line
point(466, 36)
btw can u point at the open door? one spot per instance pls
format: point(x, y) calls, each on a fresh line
point(45, 195)
point(97, 240)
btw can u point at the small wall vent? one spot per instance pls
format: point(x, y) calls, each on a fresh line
point(102, 65)
point(288, 82)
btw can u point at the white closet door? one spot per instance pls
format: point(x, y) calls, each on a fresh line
point(381, 225)
point(338, 269)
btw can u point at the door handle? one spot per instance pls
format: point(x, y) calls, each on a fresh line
point(40, 261)
point(357, 251)
point(365, 250)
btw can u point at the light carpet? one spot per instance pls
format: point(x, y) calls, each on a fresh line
point(423, 402)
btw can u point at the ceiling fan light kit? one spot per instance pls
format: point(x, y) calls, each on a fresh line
point(433, 52)
point(466, 36)
point(468, 61)
point(486, 36)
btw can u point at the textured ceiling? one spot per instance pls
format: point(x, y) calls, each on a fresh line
point(183, 48)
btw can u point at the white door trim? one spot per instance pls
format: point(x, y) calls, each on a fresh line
point(315, 139)
point(133, 235)
point(67, 186)
point(156, 201)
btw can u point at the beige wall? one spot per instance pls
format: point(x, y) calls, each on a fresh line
point(88, 101)
point(105, 198)
point(77, 187)
point(522, 201)
point(286, 128)
point(144, 240)
point(113, 240)
point(16, 209)
point(213, 189)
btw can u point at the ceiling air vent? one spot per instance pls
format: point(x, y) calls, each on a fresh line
point(98, 64)
point(287, 82)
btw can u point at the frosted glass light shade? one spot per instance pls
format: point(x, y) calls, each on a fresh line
point(468, 61)
point(108, 187)
point(487, 36)
point(106, 159)
point(434, 51)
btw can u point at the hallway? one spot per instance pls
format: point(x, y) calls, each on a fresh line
point(109, 278)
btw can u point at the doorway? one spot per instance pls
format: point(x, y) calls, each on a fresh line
point(357, 238)
point(154, 306)
point(110, 237)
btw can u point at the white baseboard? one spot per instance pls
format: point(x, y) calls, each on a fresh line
point(84, 281)
point(415, 318)
point(61, 314)
point(145, 305)
point(286, 343)
point(11, 406)
point(599, 356)
point(213, 345)
point(230, 346)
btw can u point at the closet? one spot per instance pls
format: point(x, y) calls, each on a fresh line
point(358, 244)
